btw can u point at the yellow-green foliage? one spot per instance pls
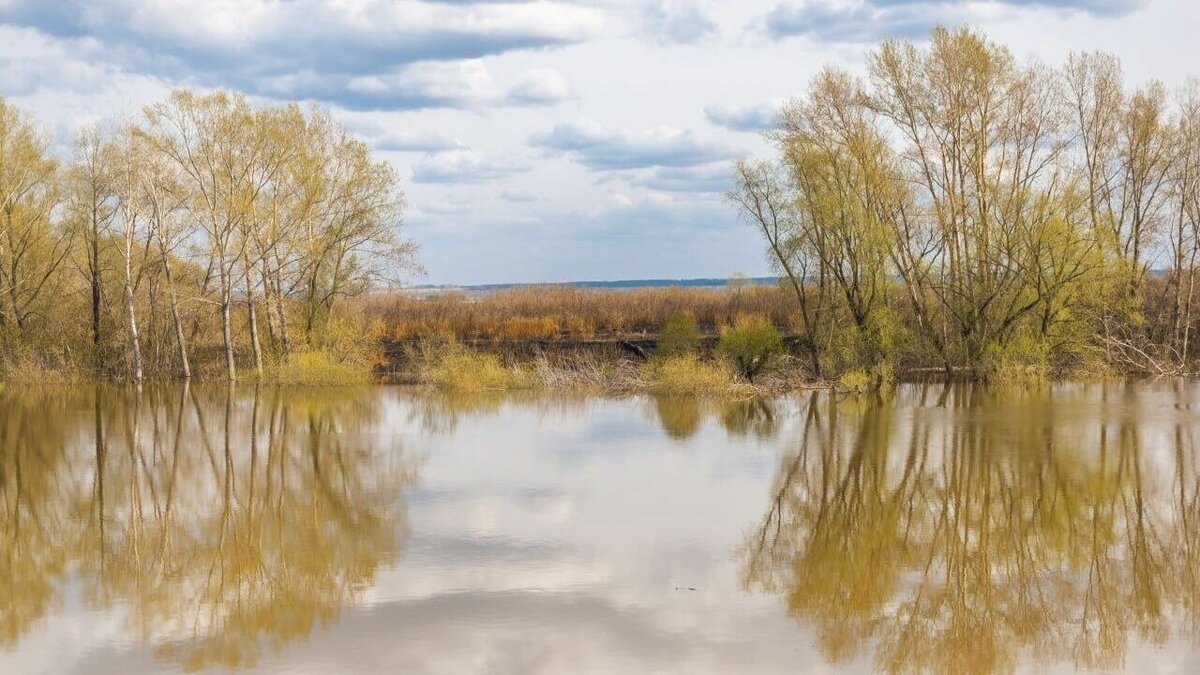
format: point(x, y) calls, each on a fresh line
point(319, 368)
point(679, 335)
point(881, 376)
point(854, 380)
point(751, 344)
point(871, 348)
point(352, 341)
point(688, 375)
point(452, 366)
point(346, 353)
point(1024, 359)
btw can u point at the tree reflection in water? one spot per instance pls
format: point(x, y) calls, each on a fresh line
point(680, 416)
point(751, 417)
point(960, 528)
point(223, 521)
point(35, 523)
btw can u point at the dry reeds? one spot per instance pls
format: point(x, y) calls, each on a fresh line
point(552, 312)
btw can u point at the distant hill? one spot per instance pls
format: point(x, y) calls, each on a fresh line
point(623, 284)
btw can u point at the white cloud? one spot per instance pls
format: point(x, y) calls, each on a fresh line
point(540, 86)
point(713, 178)
point(414, 141)
point(467, 84)
point(445, 208)
point(518, 196)
point(677, 22)
point(870, 20)
point(312, 48)
point(753, 118)
point(600, 149)
point(465, 166)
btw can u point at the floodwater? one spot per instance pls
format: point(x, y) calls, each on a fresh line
point(953, 529)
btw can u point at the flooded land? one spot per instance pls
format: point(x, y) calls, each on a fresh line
point(948, 528)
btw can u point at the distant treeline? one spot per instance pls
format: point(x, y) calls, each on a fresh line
point(961, 209)
point(203, 229)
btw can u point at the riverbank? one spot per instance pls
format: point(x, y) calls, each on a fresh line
point(607, 368)
point(614, 366)
point(462, 369)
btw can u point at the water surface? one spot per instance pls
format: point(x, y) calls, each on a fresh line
point(946, 528)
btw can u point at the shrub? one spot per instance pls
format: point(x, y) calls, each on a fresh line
point(320, 368)
point(351, 342)
point(1024, 359)
point(453, 366)
point(687, 375)
point(857, 381)
point(752, 345)
point(880, 377)
point(680, 335)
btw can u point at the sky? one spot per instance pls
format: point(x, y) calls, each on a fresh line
point(540, 140)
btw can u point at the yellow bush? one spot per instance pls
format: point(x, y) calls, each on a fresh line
point(452, 366)
point(753, 344)
point(857, 381)
point(687, 374)
point(1023, 360)
point(319, 368)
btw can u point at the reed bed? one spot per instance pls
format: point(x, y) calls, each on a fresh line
point(563, 312)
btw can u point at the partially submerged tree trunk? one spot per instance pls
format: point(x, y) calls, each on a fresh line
point(180, 339)
point(94, 273)
point(226, 321)
point(253, 316)
point(135, 348)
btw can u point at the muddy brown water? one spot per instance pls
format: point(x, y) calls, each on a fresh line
point(945, 528)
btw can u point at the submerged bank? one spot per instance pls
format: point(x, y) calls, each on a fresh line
point(617, 367)
point(753, 360)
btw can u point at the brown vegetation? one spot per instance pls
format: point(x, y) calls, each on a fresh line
point(551, 312)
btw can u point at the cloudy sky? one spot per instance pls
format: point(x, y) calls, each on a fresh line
point(539, 140)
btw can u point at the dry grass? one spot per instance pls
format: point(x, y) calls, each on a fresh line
point(586, 373)
point(26, 368)
point(565, 312)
